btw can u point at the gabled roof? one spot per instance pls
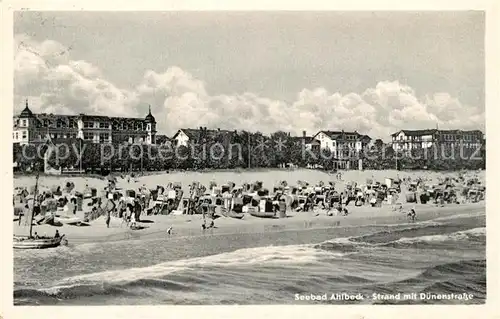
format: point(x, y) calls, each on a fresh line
point(338, 135)
point(416, 132)
point(195, 134)
point(365, 137)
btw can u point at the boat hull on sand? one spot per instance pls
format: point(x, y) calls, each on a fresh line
point(24, 242)
point(232, 214)
point(263, 214)
point(68, 220)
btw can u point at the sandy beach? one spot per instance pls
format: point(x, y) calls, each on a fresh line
point(190, 225)
point(371, 249)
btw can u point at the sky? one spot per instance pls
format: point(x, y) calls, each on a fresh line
point(373, 72)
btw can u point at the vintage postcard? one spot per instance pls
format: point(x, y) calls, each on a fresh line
point(192, 156)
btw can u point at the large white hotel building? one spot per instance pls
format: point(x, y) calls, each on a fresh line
point(29, 128)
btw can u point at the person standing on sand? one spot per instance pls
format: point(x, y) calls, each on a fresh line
point(108, 218)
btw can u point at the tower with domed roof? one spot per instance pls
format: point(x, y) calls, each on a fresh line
point(24, 126)
point(150, 127)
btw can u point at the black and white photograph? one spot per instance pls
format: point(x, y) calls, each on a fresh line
point(248, 157)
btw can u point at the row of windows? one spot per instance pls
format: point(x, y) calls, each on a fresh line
point(412, 138)
point(22, 122)
point(347, 137)
point(61, 124)
point(340, 144)
point(445, 137)
point(450, 137)
point(103, 137)
point(426, 144)
point(59, 135)
point(121, 126)
point(16, 135)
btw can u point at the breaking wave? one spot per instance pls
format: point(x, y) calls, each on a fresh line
point(436, 256)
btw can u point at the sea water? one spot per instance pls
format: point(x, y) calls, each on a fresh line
point(425, 262)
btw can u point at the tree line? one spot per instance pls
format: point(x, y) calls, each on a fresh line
point(231, 151)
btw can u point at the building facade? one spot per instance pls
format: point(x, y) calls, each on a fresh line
point(341, 143)
point(29, 127)
point(405, 140)
point(185, 136)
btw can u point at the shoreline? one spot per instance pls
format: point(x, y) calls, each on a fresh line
point(233, 170)
point(190, 225)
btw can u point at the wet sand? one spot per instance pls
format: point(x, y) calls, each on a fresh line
point(190, 225)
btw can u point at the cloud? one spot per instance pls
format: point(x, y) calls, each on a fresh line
point(55, 83)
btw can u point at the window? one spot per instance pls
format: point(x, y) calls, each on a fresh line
point(104, 137)
point(17, 136)
point(103, 125)
point(88, 124)
point(24, 122)
point(88, 136)
point(25, 135)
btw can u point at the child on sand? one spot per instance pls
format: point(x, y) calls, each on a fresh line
point(412, 215)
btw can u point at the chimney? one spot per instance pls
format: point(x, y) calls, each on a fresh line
point(303, 133)
point(201, 128)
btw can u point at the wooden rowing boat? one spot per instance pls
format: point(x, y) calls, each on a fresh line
point(255, 212)
point(231, 213)
point(29, 242)
point(67, 220)
point(25, 242)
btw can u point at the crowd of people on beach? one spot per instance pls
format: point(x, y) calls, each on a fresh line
point(56, 205)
